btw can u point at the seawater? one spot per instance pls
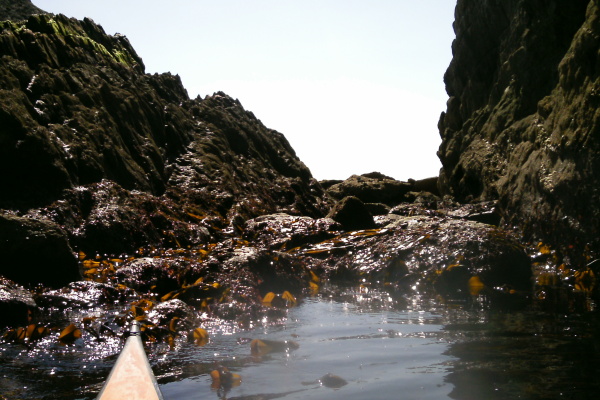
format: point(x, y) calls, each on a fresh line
point(382, 347)
point(379, 353)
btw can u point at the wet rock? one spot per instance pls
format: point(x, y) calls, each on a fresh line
point(521, 124)
point(485, 212)
point(163, 313)
point(35, 251)
point(79, 294)
point(150, 275)
point(426, 252)
point(16, 304)
point(352, 214)
point(410, 209)
point(371, 188)
point(284, 231)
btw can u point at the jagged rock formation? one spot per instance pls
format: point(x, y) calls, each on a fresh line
point(522, 122)
point(17, 10)
point(120, 158)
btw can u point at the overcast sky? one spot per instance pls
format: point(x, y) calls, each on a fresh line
point(355, 86)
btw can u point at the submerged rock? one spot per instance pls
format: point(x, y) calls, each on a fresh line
point(332, 381)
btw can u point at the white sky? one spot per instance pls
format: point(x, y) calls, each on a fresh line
point(355, 86)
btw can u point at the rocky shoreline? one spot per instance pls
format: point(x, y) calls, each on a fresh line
point(119, 191)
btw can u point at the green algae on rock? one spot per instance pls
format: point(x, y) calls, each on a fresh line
point(122, 159)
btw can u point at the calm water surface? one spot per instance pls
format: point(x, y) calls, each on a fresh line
point(381, 354)
point(383, 348)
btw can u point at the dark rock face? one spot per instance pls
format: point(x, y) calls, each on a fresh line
point(352, 214)
point(17, 10)
point(522, 124)
point(371, 188)
point(15, 303)
point(120, 158)
point(35, 251)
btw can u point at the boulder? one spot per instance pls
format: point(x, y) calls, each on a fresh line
point(371, 188)
point(352, 214)
point(151, 275)
point(378, 208)
point(426, 185)
point(284, 231)
point(164, 313)
point(35, 251)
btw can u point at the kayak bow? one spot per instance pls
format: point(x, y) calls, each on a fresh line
point(131, 377)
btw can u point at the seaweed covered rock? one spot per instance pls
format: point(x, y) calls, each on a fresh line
point(255, 272)
point(106, 218)
point(426, 252)
point(521, 124)
point(284, 231)
point(78, 295)
point(118, 157)
point(151, 275)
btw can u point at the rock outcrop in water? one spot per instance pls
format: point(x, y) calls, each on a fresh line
point(522, 123)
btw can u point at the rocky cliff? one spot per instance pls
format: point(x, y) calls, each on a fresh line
point(522, 123)
point(115, 158)
point(17, 10)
